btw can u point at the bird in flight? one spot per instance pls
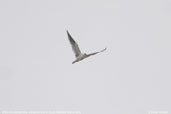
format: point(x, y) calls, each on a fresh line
point(79, 56)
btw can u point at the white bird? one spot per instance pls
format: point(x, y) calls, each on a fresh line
point(79, 56)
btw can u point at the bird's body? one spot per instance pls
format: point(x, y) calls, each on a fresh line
point(79, 56)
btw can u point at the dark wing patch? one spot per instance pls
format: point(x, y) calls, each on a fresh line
point(74, 45)
point(70, 38)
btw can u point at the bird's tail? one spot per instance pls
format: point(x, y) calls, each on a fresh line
point(74, 61)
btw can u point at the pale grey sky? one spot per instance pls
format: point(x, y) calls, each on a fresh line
point(131, 77)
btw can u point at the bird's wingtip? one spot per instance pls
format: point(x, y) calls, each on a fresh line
point(104, 49)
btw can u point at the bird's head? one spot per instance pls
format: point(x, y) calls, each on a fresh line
point(85, 54)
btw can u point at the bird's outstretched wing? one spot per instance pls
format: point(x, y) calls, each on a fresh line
point(74, 45)
point(96, 52)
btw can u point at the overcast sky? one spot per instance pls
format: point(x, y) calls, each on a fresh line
point(132, 77)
